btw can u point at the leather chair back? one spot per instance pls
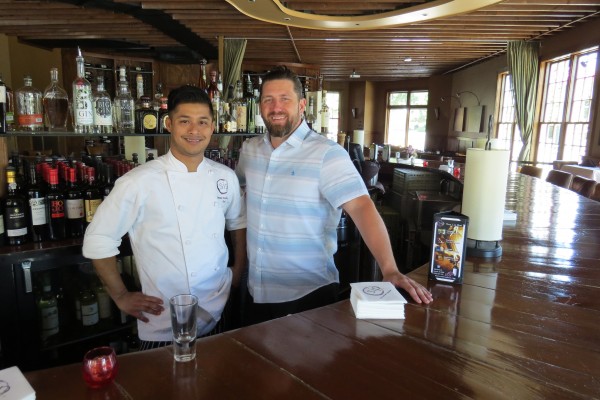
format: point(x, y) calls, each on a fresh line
point(559, 178)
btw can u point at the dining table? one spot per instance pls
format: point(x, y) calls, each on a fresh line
point(525, 325)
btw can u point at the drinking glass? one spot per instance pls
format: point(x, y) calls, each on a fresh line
point(184, 324)
point(99, 367)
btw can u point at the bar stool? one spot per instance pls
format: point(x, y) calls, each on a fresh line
point(530, 170)
point(559, 178)
point(582, 186)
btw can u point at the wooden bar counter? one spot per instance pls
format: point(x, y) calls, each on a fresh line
point(525, 326)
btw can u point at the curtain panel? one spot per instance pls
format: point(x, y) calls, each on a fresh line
point(523, 64)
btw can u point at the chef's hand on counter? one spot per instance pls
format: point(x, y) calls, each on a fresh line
point(138, 304)
point(418, 292)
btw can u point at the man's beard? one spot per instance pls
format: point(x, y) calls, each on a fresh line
point(279, 130)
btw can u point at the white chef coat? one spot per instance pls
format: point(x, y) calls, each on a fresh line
point(175, 220)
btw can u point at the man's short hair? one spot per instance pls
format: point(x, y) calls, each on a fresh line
point(188, 94)
point(283, 72)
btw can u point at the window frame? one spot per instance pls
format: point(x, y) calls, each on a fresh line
point(408, 107)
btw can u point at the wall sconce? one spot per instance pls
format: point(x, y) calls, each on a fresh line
point(454, 96)
point(468, 91)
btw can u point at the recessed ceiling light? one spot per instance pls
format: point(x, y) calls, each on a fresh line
point(408, 59)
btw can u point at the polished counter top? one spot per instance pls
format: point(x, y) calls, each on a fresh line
point(523, 326)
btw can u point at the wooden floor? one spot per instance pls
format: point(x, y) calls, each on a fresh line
point(526, 326)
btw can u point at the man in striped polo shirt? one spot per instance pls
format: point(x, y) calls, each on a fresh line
point(297, 182)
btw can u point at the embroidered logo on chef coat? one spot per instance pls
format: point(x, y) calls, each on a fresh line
point(222, 186)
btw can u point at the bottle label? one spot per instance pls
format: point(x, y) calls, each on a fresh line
point(240, 118)
point(57, 209)
point(37, 207)
point(2, 94)
point(103, 112)
point(1, 225)
point(82, 106)
point(149, 121)
point(90, 208)
point(75, 208)
point(30, 119)
point(16, 223)
point(49, 316)
point(89, 314)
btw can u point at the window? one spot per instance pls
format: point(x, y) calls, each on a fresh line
point(507, 128)
point(406, 118)
point(566, 107)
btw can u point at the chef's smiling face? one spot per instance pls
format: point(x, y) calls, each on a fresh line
point(191, 126)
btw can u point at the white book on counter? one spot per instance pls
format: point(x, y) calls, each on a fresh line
point(376, 300)
point(14, 386)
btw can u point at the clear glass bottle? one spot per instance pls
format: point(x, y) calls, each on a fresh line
point(103, 118)
point(324, 115)
point(250, 106)
point(29, 109)
point(89, 308)
point(258, 121)
point(3, 107)
point(158, 95)
point(48, 310)
point(229, 121)
point(240, 107)
point(124, 105)
point(56, 104)
point(202, 79)
point(310, 113)
point(83, 113)
point(215, 97)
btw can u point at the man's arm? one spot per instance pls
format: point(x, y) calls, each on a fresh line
point(240, 260)
point(374, 233)
point(133, 303)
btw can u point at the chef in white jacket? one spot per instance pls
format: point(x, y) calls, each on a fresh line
point(175, 210)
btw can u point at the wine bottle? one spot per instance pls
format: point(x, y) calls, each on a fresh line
point(89, 308)
point(38, 219)
point(91, 195)
point(74, 206)
point(3, 107)
point(48, 309)
point(55, 207)
point(15, 206)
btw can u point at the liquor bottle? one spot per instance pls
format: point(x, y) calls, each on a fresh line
point(83, 113)
point(38, 219)
point(108, 184)
point(15, 206)
point(48, 310)
point(3, 107)
point(124, 105)
point(240, 107)
point(163, 113)
point(158, 95)
point(324, 115)
point(230, 123)
point(146, 116)
point(215, 97)
point(55, 207)
point(258, 121)
point(56, 104)
point(250, 106)
point(202, 78)
point(91, 195)
point(310, 114)
point(103, 119)
point(104, 302)
point(29, 107)
point(139, 93)
point(89, 307)
point(74, 206)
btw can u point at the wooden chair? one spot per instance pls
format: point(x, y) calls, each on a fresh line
point(530, 170)
point(582, 186)
point(595, 195)
point(559, 178)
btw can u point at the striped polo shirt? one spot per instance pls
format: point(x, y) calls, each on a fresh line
point(293, 196)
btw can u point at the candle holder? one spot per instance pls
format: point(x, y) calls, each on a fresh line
point(99, 367)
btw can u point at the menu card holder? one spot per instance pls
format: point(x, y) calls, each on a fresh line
point(448, 247)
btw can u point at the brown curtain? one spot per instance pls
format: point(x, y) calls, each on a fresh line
point(523, 64)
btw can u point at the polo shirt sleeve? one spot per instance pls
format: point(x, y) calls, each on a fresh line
point(340, 181)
